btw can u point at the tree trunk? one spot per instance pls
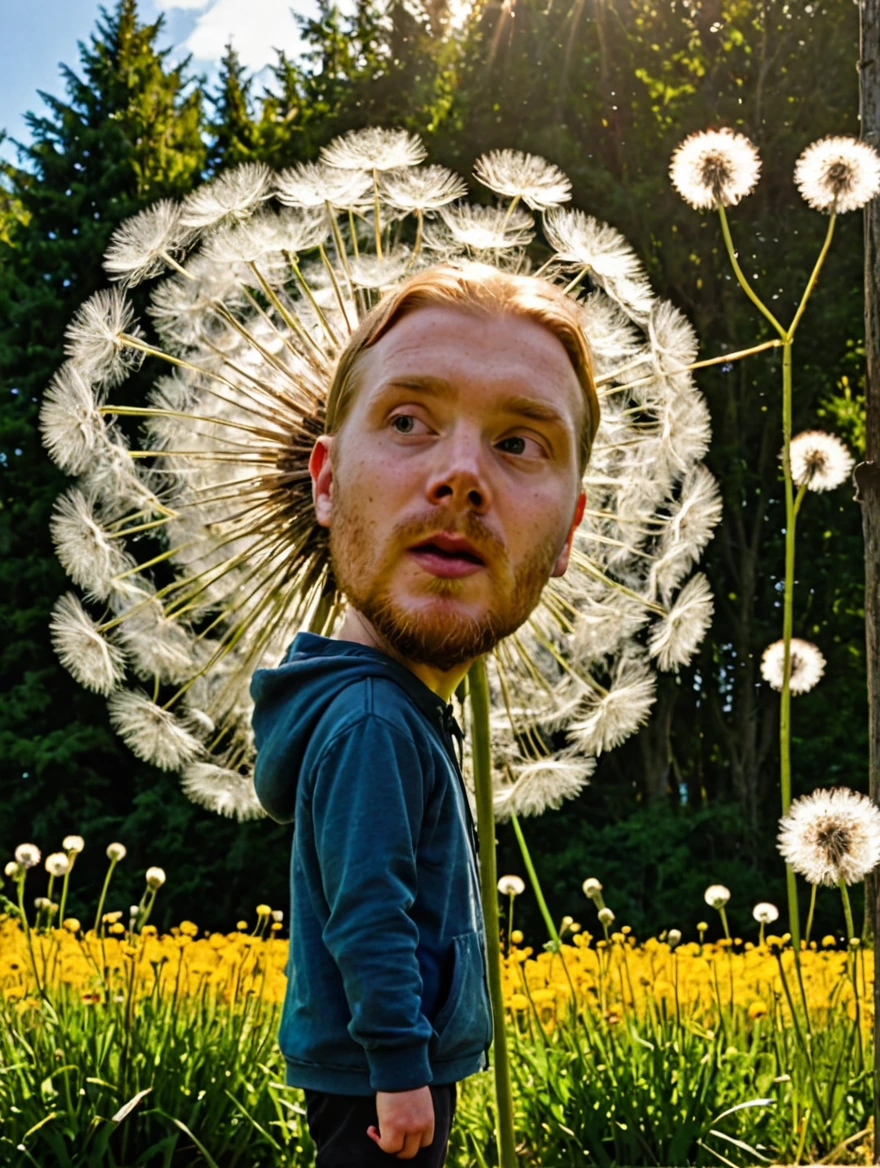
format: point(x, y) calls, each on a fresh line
point(867, 473)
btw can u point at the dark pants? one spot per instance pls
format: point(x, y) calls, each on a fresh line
point(339, 1123)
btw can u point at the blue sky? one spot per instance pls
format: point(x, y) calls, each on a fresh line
point(40, 34)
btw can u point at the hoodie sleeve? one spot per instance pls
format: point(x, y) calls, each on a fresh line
point(368, 802)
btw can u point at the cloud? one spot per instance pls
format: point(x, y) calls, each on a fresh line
point(257, 28)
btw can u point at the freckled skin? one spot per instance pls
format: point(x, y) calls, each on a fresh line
point(458, 463)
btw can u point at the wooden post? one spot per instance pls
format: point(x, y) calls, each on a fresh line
point(867, 474)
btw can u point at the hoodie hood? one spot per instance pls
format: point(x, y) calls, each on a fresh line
point(290, 700)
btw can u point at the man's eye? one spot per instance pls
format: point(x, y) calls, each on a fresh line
point(405, 423)
point(519, 442)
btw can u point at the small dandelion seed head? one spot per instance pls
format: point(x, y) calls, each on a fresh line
point(421, 189)
point(83, 650)
point(28, 855)
point(71, 425)
point(715, 166)
point(606, 916)
point(819, 461)
point(538, 183)
point(831, 835)
point(838, 174)
point(716, 896)
point(14, 870)
point(232, 197)
point(57, 864)
point(155, 877)
point(511, 885)
point(140, 247)
point(591, 887)
point(116, 852)
point(73, 843)
point(313, 184)
point(765, 913)
point(95, 338)
point(277, 915)
point(674, 638)
point(374, 148)
point(673, 938)
point(153, 733)
point(807, 665)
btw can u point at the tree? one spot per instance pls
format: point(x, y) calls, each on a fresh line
point(234, 133)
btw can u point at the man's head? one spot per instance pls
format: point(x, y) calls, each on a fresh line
point(459, 423)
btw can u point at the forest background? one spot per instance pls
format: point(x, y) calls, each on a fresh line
point(605, 89)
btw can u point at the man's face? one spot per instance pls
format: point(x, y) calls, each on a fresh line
point(452, 490)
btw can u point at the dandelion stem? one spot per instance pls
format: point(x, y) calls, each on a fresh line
point(536, 886)
point(478, 692)
point(722, 359)
point(746, 286)
point(104, 894)
point(810, 916)
point(847, 912)
point(811, 283)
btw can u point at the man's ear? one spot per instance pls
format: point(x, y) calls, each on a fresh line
point(562, 559)
point(322, 479)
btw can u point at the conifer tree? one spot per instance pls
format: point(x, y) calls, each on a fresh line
point(235, 137)
point(127, 132)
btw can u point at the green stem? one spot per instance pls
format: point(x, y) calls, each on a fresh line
point(104, 894)
point(536, 886)
point(847, 912)
point(724, 922)
point(810, 915)
point(745, 285)
point(478, 690)
point(811, 283)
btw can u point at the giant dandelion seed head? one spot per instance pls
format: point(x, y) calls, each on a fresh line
point(716, 896)
point(190, 534)
point(713, 167)
point(807, 664)
point(838, 174)
point(819, 461)
point(831, 835)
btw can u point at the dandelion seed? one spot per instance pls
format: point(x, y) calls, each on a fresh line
point(613, 716)
point(313, 184)
point(140, 247)
point(95, 662)
point(115, 852)
point(807, 665)
point(82, 546)
point(155, 877)
point(487, 228)
point(716, 896)
point(838, 174)
point(73, 843)
point(542, 784)
point(424, 189)
point(819, 460)
point(374, 149)
point(222, 790)
point(511, 886)
point(582, 240)
point(765, 913)
point(70, 422)
point(831, 835)
point(153, 734)
point(370, 271)
point(675, 637)
point(57, 864)
point(230, 198)
point(715, 167)
point(538, 183)
point(94, 338)
point(28, 855)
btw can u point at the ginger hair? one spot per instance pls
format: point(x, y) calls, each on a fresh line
point(478, 288)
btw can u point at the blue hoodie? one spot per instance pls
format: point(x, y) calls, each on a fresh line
point(386, 974)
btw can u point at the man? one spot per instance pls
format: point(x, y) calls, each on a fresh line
point(459, 424)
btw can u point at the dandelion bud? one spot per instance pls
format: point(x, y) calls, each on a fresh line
point(277, 915)
point(765, 914)
point(57, 864)
point(111, 918)
point(71, 924)
point(516, 936)
point(567, 922)
point(716, 896)
point(73, 843)
point(511, 886)
point(606, 916)
point(264, 910)
point(673, 938)
point(591, 887)
point(28, 855)
point(155, 877)
point(116, 852)
point(14, 870)
point(240, 925)
point(41, 902)
point(574, 927)
point(134, 910)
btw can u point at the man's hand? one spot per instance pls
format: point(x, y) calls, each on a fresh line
point(406, 1121)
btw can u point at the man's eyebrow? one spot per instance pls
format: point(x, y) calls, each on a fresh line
point(519, 404)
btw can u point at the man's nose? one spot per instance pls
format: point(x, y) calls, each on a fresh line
point(458, 476)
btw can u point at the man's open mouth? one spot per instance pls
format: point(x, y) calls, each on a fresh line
point(450, 553)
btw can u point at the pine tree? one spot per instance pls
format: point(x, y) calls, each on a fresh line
point(127, 132)
point(235, 137)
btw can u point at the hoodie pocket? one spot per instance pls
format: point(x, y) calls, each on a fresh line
point(464, 1024)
